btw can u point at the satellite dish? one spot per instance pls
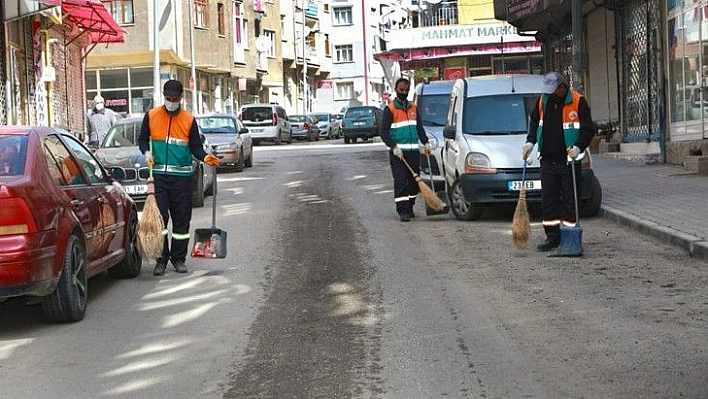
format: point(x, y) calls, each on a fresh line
point(262, 44)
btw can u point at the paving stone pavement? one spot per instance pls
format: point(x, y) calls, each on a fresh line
point(657, 199)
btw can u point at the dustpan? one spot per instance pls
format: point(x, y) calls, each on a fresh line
point(429, 211)
point(571, 237)
point(210, 242)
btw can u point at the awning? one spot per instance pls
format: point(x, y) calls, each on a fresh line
point(91, 17)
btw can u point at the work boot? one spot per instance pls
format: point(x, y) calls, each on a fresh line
point(549, 244)
point(180, 267)
point(159, 269)
point(405, 217)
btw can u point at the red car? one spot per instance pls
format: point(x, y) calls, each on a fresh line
point(63, 219)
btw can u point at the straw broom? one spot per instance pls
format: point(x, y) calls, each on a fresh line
point(431, 199)
point(521, 225)
point(151, 225)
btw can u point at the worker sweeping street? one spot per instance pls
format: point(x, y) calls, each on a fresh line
point(169, 137)
point(401, 130)
point(562, 127)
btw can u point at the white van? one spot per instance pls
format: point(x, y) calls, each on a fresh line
point(432, 100)
point(267, 122)
point(486, 127)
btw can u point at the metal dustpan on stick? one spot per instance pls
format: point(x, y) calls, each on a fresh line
point(571, 237)
point(210, 242)
point(429, 211)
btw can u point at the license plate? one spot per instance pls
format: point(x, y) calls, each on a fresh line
point(136, 189)
point(531, 185)
point(252, 130)
point(359, 123)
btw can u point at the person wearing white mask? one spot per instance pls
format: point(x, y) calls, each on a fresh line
point(169, 137)
point(99, 121)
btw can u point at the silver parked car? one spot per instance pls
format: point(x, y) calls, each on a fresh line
point(305, 127)
point(328, 124)
point(228, 137)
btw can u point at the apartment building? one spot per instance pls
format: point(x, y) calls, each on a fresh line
point(357, 78)
point(236, 57)
point(306, 52)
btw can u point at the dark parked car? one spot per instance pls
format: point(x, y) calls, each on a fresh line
point(120, 148)
point(361, 122)
point(63, 219)
point(304, 127)
point(228, 137)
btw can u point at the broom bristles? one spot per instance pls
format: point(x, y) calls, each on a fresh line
point(521, 225)
point(431, 199)
point(150, 228)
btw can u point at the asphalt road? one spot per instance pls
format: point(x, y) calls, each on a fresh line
point(326, 294)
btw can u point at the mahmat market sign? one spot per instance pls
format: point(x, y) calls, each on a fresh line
point(454, 35)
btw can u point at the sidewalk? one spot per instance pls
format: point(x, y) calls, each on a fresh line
point(662, 200)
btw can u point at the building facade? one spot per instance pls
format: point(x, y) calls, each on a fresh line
point(45, 43)
point(442, 40)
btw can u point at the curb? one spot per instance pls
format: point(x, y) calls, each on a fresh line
point(696, 246)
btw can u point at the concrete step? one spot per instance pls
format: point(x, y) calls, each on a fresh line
point(642, 153)
point(697, 164)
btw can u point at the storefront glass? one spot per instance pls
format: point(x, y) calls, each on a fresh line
point(688, 72)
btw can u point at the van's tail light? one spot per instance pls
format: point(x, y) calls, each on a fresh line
point(15, 217)
point(306, 126)
point(275, 119)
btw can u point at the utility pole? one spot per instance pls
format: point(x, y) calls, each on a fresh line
point(577, 21)
point(366, 53)
point(156, 54)
point(193, 77)
point(304, 61)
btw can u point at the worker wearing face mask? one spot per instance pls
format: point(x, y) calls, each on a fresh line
point(562, 127)
point(402, 131)
point(168, 138)
point(98, 122)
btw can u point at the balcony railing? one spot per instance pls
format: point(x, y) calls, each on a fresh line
point(444, 13)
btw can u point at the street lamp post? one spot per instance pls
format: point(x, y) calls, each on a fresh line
point(304, 62)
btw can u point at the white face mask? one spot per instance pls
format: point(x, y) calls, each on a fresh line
point(99, 106)
point(172, 107)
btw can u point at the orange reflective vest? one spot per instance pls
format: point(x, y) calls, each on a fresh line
point(571, 118)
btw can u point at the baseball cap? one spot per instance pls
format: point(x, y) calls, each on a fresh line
point(551, 82)
point(172, 88)
point(98, 99)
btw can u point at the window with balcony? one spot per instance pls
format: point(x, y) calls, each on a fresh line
point(220, 21)
point(201, 13)
point(345, 90)
point(344, 53)
point(342, 16)
point(121, 10)
point(239, 38)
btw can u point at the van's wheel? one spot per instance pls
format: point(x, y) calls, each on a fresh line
point(462, 209)
point(129, 267)
point(591, 207)
point(198, 191)
point(278, 139)
point(354, 140)
point(68, 301)
point(346, 140)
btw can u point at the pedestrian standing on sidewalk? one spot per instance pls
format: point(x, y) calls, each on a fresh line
point(401, 131)
point(173, 135)
point(99, 121)
point(562, 127)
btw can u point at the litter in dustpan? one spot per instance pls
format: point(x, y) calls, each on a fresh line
point(209, 243)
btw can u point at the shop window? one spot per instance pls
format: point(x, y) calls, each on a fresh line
point(141, 77)
point(113, 78)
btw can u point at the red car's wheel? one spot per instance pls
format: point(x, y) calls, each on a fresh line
point(68, 301)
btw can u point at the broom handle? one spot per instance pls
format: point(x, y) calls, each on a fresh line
point(575, 193)
point(213, 203)
point(150, 166)
point(403, 159)
point(430, 171)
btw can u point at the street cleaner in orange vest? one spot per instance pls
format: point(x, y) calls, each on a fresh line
point(401, 131)
point(562, 127)
point(169, 137)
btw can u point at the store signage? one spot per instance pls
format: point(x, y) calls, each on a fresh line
point(517, 9)
point(454, 35)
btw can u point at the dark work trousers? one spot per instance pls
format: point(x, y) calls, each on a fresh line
point(405, 188)
point(557, 196)
point(174, 198)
